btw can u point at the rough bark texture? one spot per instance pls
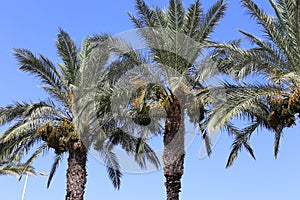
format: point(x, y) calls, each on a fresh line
point(76, 172)
point(173, 156)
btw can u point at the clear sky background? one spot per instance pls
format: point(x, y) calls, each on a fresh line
point(33, 25)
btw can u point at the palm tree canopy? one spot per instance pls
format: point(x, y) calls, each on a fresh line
point(52, 124)
point(163, 86)
point(161, 81)
point(275, 59)
point(175, 38)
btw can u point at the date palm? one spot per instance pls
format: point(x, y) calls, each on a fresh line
point(273, 103)
point(175, 38)
point(55, 123)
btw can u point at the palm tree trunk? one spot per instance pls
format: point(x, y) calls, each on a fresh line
point(173, 155)
point(76, 172)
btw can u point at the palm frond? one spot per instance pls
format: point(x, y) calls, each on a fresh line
point(211, 20)
point(269, 24)
point(12, 112)
point(114, 175)
point(160, 18)
point(176, 14)
point(16, 147)
point(289, 18)
point(34, 156)
point(136, 146)
point(238, 100)
point(19, 111)
point(208, 144)
point(28, 117)
point(236, 147)
point(278, 12)
point(94, 56)
point(124, 50)
point(135, 21)
point(18, 130)
point(172, 36)
point(12, 167)
point(239, 63)
point(145, 152)
point(192, 20)
point(286, 12)
point(112, 165)
point(145, 13)
point(43, 69)
point(67, 50)
point(241, 140)
point(56, 162)
point(87, 47)
point(249, 149)
point(278, 135)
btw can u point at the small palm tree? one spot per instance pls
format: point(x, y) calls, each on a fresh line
point(273, 104)
point(175, 38)
point(55, 123)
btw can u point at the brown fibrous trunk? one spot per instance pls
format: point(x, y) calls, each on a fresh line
point(76, 172)
point(173, 156)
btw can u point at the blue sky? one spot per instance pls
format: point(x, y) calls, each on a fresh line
point(33, 25)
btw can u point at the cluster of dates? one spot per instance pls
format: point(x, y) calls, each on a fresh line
point(58, 134)
point(284, 111)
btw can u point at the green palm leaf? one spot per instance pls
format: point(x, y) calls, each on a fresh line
point(112, 165)
point(69, 54)
point(234, 101)
point(193, 19)
point(273, 104)
point(176, 15)
point(211, 20)
point(56, 162)
point(15, 169)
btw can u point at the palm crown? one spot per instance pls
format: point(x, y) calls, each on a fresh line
point(275, 58)
point(55, 123)
point(164, 75)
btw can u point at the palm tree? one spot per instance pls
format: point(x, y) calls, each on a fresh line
point(175, 39)
point(273, 103)
point(56, 123)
